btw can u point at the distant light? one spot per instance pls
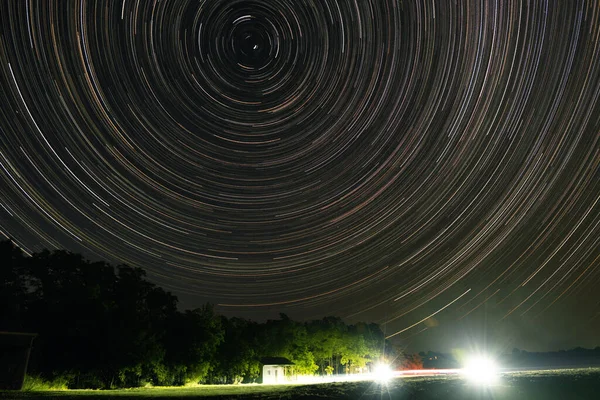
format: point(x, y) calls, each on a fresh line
point(383, 373)
point(481, 370)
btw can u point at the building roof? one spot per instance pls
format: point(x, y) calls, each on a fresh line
point(275, 361)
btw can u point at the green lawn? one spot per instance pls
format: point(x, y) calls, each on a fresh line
point(531, 385)
point(202, 391)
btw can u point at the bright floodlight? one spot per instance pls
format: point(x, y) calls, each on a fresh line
point(481, 370)
point(383, 372)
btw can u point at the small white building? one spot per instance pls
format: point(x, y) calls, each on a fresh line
point(276, 370)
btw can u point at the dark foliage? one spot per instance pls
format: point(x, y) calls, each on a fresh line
point(101, 326)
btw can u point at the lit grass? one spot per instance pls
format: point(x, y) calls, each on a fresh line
point(199, 391)
point(529, 385)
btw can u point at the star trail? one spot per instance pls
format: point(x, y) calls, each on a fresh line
point(373, 159)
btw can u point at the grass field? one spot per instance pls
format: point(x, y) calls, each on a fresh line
point(530, 385)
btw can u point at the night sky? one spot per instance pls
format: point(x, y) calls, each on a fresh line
point(433, 166)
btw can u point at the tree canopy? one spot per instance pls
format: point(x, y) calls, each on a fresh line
point(101, 326)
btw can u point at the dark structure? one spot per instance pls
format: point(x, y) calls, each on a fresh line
point(14, 356)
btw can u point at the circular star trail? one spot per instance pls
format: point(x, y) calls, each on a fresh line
point(393, 159)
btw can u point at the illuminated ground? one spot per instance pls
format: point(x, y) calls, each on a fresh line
point(556, 384)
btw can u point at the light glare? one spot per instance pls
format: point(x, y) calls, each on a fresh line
point(481, 370)
point(383, 372)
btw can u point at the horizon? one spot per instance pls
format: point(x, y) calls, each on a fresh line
point(459, 342)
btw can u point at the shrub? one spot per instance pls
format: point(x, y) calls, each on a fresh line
point(37, 383)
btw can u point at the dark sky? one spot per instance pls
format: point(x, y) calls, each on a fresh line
point(433, 166)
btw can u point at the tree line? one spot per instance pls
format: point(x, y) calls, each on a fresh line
point(105, 326)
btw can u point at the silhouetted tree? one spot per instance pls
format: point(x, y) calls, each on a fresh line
point(100, 327)
point(412, 362)
point(239, 353)
point(192, 342)
point(13, 294)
